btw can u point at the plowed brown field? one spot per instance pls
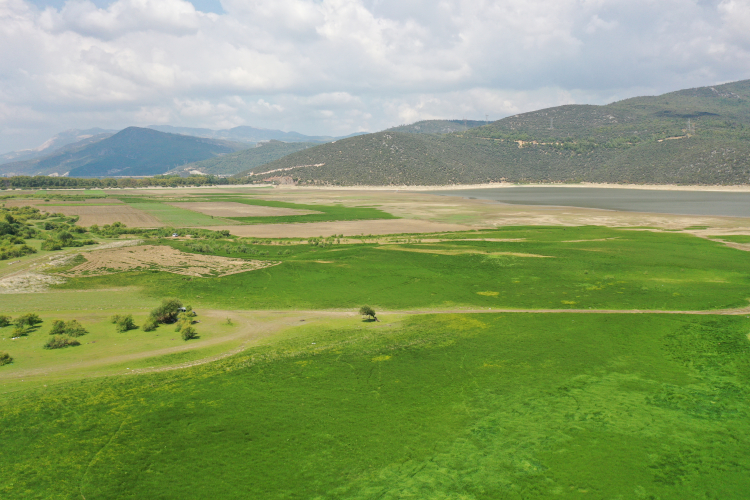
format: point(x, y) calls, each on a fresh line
point(108, 214)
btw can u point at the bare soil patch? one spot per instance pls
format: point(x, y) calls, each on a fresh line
point(108, 214)
point(347, 228)
point(162, 258)
point(28, 283)
point(233, 209)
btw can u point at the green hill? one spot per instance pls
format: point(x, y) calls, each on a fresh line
point(247, 159)
point(694, 136)
point(131, 152)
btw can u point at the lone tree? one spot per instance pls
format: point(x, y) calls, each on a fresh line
point(167, 312)
point(368, 311)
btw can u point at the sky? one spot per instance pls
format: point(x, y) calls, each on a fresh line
point(334, 67)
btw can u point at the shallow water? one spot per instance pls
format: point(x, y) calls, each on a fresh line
point(630, 200)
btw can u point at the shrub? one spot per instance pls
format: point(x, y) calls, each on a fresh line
point(74, 328)
point(58, 327)
point(125, 323)
point(29, 319)
point(59, 341)
point(167, 312)
point(188, 332)
point(5, 358)
point(4, 320)
point(150, 325)
point(19, 331)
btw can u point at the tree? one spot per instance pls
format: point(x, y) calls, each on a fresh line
point(4, 320)
point(368, 311)
point(167, 312)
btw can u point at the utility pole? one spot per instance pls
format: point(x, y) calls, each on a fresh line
point(550, 124)
point(486, 119)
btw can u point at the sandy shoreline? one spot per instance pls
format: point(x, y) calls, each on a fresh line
point(742, 188)
point(501, 185)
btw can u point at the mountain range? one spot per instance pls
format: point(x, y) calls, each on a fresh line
point(693, 136)
point(133, 151)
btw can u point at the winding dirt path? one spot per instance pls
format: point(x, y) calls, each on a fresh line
point(254, 326)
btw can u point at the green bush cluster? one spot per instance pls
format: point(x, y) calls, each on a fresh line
point(24, 323)
point(71, 328)
point(123, 322)
point(60, 341)
point(5, 358)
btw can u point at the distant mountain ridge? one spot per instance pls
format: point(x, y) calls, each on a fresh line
point(57, 142)
point(245, 133)
point(133, 151)
point(692, 136)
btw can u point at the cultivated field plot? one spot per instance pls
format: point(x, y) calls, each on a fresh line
point(233, 209)
point(161, 258)
point(347, 228)
point(106, 214)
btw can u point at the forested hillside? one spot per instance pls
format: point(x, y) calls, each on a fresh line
point(695, 136)
point(247, 159)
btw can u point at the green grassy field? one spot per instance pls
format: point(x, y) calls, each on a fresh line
point(329, 212)
point(178, 217)
point(569, 268)
point(445, 406)
point(735, 238)
point(324, 405)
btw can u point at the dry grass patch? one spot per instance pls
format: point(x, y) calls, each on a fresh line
point(233, 209)
point(162, 258)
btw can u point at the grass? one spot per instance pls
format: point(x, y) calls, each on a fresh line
point(453, 406)
point(104, 351)
point(178, 217)
point(734, 238)
point(627, 270)
point(329, 212)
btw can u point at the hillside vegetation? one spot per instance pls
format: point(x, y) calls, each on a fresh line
point(437, 126)
point(695, 136)
point(247, 159)
point(130, 152)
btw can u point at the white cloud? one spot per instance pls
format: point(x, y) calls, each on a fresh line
point(335, 66)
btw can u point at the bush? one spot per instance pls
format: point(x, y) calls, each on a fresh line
point(124, 323)
point(29, 319)
point(74, 328)
point(59, 341)
point(150, 325)
point(19, 331)
point(4, 320)
point(58, 327)
point(167, 312)
point(5, 359)
point(188, 332)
